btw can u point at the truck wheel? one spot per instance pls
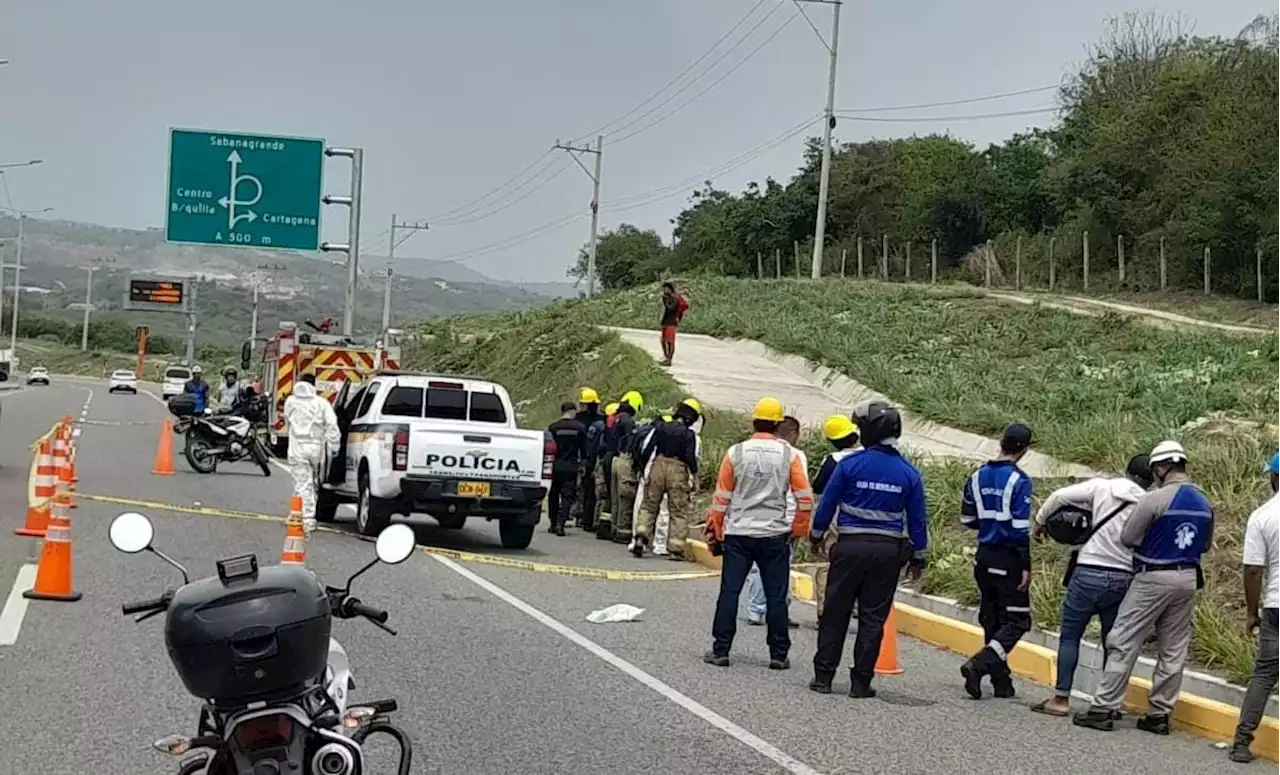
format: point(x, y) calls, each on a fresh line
point(372, 515)
point(515, 535)
point(326, 505)
point(452, 521)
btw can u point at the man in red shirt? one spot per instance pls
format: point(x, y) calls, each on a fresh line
point(673, 308)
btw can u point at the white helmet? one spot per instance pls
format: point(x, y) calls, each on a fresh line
point(1168, 452)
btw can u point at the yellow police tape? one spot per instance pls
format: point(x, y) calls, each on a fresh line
point(602, 574)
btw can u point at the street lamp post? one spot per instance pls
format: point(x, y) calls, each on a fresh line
point(17, 280)
point(88, 299)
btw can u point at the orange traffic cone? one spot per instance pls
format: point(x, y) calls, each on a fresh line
point(53, 575)
point(295, 540)
point(44, 486)
point(62, 452)
point(164, 450)
point(887, 662)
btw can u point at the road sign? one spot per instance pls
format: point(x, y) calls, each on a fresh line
point(166, 292)
point(257, 191)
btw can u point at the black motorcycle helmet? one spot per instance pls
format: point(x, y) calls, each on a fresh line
point(877, 421)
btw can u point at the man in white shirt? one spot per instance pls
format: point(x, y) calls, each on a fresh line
point(788, 431)
point(1101, 570)
point(1261, 559)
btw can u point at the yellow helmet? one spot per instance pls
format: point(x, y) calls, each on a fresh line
point(693, 404)
point(588, 396)
point(768, 408)
point(667, 417)
point(611, 409)
point(838, 427)
point(633, 398)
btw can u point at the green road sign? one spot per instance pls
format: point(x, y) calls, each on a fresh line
point(256, 191)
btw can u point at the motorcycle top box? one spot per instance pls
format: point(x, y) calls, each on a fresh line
point(182, 405)
point(256, 637)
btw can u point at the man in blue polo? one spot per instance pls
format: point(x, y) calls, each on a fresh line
point(997, 503)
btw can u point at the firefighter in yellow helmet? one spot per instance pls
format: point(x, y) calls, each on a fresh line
point(586, 507)
point(673, 448)
point(618, 438)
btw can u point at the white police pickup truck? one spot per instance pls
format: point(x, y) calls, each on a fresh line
point(443, 446)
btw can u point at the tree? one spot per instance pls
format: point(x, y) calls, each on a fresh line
point(624, 256)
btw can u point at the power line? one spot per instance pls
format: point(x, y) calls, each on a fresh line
point(609, 126)
point(966, 101)
point(969, 117)
point(479, 215)
point(768, 39)
point(466, 206)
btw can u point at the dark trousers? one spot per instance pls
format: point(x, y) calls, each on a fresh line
point(1266, 670)
point(1004, 611)
point(564, 486)
point(587, 491)
point(773, 557)
point(864, 570)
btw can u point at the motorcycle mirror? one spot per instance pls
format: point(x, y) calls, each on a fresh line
point(246, 354)
point(131, 532)
point(395, 543)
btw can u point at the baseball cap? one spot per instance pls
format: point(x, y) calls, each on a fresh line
point(1016, 438)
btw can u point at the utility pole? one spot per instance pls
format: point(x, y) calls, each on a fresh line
point(829, 122)
point(595, 202)
point(88, 299)
point(411, 227)
point(352, 246)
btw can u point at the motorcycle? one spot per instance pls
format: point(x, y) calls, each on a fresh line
point(254, 644)
point(223, 437)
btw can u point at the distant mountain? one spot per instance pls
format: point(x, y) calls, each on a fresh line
point(456, 272)
point(293, 286)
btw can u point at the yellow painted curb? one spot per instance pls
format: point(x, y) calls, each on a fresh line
point(1198, 715)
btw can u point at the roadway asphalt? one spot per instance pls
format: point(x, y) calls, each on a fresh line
point(495, 668)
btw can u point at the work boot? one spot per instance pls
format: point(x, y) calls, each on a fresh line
point(1156, 725)
point(820, 685)
point(1095, 718)
point(604, 529)
point(1002, 686)
point(559, 529)
point(1240, 754)
point(860, 687)
point(712, 658)
point(779, 664)
point(972, 673)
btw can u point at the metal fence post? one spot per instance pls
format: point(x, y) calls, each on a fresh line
point(1164, 268)
point(1120, 255)
point(1085, 239)
point(1053, 273)
point(859, 256)
point(933, 261)
point(1017, 264)
point(1207, 259)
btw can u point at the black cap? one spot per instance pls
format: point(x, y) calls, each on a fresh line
point(1139, 469)
point(568, 406)
point(1016, 438)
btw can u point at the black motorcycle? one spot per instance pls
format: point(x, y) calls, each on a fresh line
point(254, 644)
point(227, 437)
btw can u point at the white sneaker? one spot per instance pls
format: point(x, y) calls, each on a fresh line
point(755, 619)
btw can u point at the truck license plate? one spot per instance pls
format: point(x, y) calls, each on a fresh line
point(473, 489)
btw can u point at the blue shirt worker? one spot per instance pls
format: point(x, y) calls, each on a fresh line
point(997, 503)
point(1170, 528)
point(876, 498)
point(198, 388)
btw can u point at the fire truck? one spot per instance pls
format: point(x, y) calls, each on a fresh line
point(334, 360)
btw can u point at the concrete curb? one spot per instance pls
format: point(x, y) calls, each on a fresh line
point(926, 619)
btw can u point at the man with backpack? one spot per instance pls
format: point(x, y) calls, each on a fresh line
point(673, 308)
point(1100, 568)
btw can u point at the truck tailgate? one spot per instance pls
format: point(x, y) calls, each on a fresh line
point(505, 454)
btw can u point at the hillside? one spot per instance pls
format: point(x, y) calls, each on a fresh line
point(55, 253)
point(1094, 389)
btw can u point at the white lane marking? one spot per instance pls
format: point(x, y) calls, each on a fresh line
point(759, 745)
point(15, 607)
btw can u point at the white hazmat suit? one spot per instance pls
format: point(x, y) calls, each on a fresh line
point(313, 436)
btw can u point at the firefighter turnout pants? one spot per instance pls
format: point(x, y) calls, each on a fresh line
point(864, 570)
point(623, 487)
point(667, 477)
point(1004, 610)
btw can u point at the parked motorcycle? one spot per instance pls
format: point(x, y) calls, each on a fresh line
point(254, 645)
point(222, 437)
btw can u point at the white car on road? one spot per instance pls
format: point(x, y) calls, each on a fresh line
point(175, 380)
point(123, 380)
point(38, 374)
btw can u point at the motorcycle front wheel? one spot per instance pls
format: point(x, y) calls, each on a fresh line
point(197, 454)
point(259, 455)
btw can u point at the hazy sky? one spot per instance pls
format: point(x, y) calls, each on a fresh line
point(450, 99)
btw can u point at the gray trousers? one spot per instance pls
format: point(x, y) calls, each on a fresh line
point(1266, 670)
point(1164, 600)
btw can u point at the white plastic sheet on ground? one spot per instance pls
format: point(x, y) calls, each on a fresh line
point(618, 612)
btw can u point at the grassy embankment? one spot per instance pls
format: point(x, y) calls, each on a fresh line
point(61, 359)
point(1094, 389)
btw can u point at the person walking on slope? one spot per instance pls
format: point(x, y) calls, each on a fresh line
point(748, 516)
point(313, 440)
point(673, 448)
point(788, 431)
point(1261, 561)
point(997, 503)
point(842, 434)
point(1099, 572)
point(1170, 528)
point(586, 505)
point(877, 501)
point(673, 308)
point(622, 481)
point(570, 437)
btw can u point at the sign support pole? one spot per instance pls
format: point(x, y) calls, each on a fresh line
point(352, 245)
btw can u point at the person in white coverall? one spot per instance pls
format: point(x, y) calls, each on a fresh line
point(313, 438)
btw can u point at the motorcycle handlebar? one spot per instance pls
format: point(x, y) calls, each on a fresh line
point(353, 607)
point(145, 606)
